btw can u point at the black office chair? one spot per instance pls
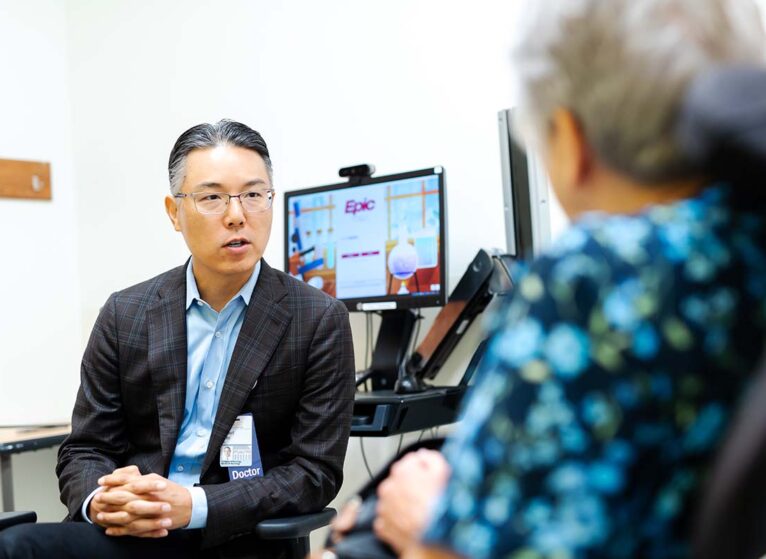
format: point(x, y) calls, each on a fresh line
point(722, 127)
point(8, 519)
point(732, 514)
point(294, 531)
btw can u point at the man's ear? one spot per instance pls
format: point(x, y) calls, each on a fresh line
point(171, 207)
point(571, 149)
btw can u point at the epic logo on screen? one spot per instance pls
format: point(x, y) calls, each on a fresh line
point(354, 207)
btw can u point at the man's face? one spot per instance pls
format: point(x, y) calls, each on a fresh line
point(231, 170)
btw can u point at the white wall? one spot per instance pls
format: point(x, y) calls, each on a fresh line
point(40, 321)
point(400, 84)
point(40, 329)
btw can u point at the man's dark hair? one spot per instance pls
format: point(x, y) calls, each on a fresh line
point(201, 136)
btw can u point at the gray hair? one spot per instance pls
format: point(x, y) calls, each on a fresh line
point(201, 136)
point(622, 67)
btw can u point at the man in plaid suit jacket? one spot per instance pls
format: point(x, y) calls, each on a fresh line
point(290, 365)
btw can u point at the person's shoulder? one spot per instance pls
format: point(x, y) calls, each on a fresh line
point(570, 277)
point(151, 287)
point(601, 244)
point(592, 249)
point(614, 237)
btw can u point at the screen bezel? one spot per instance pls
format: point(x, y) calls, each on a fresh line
point(402, 301)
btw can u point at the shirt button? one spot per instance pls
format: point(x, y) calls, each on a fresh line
point(218, 334)
point(201, 432)
point(209, 384)
point(199, 303)
point(180, 469)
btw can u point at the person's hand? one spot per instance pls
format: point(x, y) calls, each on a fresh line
point(144, 506)
point(96, 506)
point(345, 519)
point(148, 505)
point(339, 525)
point(406, 496)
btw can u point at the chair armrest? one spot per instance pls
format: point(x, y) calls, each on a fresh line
point(8, 519)
point(293, 526)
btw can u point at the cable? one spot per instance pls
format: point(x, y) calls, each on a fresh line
point(372, 342)
point(364, 457)
point(418, 320)
point(368, 328)
point(367, 348)
point(367, 341)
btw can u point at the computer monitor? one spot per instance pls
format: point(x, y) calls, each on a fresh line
point(526, 194)
point(376, 244)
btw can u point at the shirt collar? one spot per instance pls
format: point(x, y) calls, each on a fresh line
point(192, 291)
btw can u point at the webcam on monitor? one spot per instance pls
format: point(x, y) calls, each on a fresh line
point(365, 170)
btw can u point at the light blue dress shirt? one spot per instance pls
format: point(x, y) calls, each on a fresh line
point(211, 337)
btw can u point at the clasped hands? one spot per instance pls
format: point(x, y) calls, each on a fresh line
point(146, 506)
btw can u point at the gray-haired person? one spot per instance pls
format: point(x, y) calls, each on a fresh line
point(613, 369)
point(222, 347)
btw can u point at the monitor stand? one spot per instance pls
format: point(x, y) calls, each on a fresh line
point(391, 347)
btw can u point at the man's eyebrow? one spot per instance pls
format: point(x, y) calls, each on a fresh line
point(209, 185)
point(255, 182)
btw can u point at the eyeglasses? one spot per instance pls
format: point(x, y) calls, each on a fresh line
point(252, 201)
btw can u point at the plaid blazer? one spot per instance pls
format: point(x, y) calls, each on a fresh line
point(292, 367)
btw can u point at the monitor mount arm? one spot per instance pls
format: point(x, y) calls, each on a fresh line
point(487, 275)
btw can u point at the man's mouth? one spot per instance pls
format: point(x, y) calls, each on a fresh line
point(236, 243)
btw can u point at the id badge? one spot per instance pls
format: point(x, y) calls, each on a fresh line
point(239, 451)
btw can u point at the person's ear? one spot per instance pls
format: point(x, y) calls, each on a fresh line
point(171, 207)
point(569, 149)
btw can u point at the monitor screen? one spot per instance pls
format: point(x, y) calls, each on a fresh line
point(376, 244)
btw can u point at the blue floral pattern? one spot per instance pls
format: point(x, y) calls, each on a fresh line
point(609, 379)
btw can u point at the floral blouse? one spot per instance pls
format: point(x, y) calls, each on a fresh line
point(607, 385)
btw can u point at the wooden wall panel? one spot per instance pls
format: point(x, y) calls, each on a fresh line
point(25, 179)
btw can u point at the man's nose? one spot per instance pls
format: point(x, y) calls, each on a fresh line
point(235, 215)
